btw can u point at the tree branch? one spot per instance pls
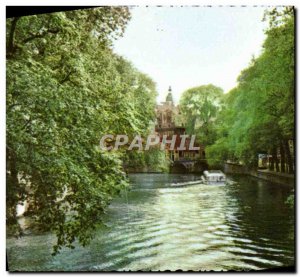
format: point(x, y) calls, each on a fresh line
point(40, 35)
point(67, 77)
point(10, 44)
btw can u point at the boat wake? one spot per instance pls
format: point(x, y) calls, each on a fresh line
point(183, 184)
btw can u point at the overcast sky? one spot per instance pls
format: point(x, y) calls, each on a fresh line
point(191, 46)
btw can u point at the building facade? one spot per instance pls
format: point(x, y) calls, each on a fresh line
point(168, 123)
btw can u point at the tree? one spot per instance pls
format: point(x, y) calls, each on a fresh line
point(258, 115)
point(278, 55)
point(152, 160)
point(199, 107)
point(65, 89)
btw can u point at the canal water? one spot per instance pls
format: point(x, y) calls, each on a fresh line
point(240, 226)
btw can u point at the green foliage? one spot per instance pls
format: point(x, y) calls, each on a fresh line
point(152, 160)
point(156, 160)
point(65, 89)
point(290, 201)
point(258, 114)
point(199, 107)
point(217, 153)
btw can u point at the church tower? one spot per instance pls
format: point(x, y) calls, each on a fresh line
point(169, 98)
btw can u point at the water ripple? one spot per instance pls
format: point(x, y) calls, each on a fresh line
point(192, 228)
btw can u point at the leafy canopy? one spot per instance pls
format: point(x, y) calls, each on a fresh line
point(199, 107)
point(258, 115)
point(65, 89)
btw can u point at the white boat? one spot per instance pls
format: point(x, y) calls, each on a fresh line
point(214, 177)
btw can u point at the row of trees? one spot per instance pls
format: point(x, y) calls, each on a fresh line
point(65, 89)
point(258, 115)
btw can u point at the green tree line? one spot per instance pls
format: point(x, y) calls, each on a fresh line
point(152, 160)
point(257, 116)
point(65, 89)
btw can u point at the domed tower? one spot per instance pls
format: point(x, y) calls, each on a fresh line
point(169, 98)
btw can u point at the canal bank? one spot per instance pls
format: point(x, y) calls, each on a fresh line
point(271, 176)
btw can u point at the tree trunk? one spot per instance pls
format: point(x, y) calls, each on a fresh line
point(275, 158)
point(282, 157)
point(10, 43)
point(12, 184)
point(289, 157)
point(271, 163)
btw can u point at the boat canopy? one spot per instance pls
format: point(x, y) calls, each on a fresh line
point(214, 175)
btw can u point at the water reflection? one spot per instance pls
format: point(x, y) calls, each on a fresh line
point(155, 227)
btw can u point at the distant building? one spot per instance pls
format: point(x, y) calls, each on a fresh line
point(166, 112)
point(168, 123)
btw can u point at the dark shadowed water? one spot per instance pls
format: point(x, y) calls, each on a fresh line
point(241, 226)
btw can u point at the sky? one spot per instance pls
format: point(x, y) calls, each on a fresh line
point(184, 47)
